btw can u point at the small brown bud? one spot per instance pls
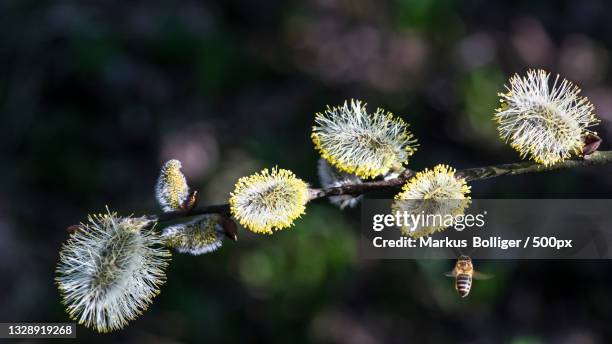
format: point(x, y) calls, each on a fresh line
point(190, 202)
point(229, 228)
point(591, 143)
point(73, 228)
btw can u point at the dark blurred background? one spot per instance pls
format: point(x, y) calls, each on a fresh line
point(95, 95)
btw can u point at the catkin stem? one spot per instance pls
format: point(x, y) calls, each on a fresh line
point(470, 174)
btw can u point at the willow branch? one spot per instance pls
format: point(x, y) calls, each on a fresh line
point(470, 174)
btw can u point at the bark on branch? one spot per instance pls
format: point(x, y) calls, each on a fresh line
point(470, 174)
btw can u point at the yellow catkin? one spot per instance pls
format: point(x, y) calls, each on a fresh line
point(367, 145)
point(543, 122)
point(433, 192)
point(171, 190)
point(201, 235)
point(269, 200)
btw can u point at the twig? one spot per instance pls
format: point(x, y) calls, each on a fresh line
point(480, 173)
point(470, 174)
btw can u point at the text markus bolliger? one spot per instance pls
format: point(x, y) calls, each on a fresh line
point(429, 242)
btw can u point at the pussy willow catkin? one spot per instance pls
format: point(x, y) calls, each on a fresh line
point(171, 189)
point(269, 200)
point(357, 142)
point(200, 235)
point(544, 122)
point(110, 270)
point(435, 192)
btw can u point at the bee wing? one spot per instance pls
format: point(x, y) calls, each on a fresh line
point(481, 275)
point(451, 273)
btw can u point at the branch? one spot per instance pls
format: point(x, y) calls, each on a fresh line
point(481, 173)
point(470, 174)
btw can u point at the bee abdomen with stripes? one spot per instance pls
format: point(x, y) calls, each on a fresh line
point(463, 284)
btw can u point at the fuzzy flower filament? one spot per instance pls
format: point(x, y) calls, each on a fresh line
point(270, 199)
point(110, 270)
point(547, 123)
point(367, 145)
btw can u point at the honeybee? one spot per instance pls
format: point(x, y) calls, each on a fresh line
point(464, 273)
